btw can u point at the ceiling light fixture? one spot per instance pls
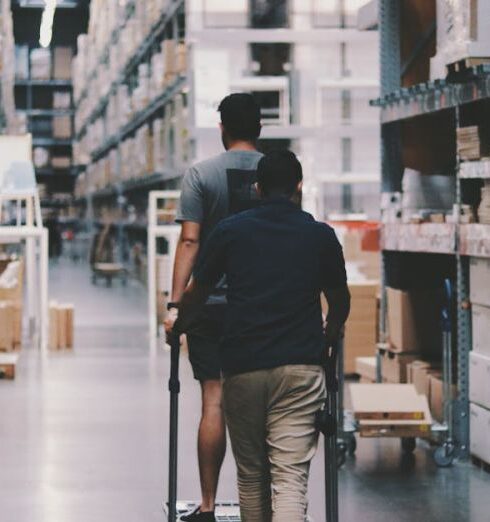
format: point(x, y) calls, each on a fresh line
point(46, 31)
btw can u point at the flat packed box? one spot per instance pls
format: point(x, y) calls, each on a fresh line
point(480, 379)
point(61, 326)
point(414, 321)
point(480, 281)
point(479, 432)
point(387, 401)
point(414, 427)
point(481, 328)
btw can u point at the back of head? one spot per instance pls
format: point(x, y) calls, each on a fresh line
point(279, 173)
point(240, 116)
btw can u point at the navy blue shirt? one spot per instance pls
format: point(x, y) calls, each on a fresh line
point(277, 260)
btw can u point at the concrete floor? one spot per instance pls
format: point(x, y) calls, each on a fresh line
point(83, 435)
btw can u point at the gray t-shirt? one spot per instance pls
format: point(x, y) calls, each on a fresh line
point(215, 188)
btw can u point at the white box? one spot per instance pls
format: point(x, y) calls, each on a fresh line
point(480, 281)
point(480, 379)
point(481, 328)
point(480, 432)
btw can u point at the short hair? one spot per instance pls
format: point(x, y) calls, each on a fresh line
point(240, 116)
point(279, 172)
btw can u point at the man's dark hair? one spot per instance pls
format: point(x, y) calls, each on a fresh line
point(240, 116)
point(278, 173)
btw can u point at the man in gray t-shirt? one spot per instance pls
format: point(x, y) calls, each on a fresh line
point(212, 190)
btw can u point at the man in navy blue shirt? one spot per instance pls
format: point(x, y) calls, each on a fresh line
point(277, 261)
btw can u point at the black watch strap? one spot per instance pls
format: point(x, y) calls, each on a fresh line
point(171, 305)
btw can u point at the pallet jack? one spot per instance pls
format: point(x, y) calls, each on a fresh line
point(326, 423)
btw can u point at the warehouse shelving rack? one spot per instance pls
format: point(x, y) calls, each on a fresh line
point(26, 89)
point(451, 98)
point(121, 190)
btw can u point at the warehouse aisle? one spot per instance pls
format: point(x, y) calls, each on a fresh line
point(83, 434)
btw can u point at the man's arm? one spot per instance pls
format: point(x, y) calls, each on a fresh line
point(185, 258)
point(208, 271)
point(338, 311)
point(193, 299)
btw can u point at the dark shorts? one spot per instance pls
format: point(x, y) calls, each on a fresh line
point(204, 343)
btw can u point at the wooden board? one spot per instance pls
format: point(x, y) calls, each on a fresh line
point(386, 401)
point(8, 362)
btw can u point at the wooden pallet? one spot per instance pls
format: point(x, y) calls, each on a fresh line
point(8, 362)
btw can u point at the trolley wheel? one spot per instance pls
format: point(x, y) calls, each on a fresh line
point(408, 444)
point(351, 444)
point(444, 455)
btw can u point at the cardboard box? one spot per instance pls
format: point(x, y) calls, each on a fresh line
point(479, 432)
point(481, 328)
point(418, 373)
point(7, 320)
point(62, 127)
point(436, 396)
point(53, 326)
point(40, 64)
point(411, 427)
point(394, 365)
point(414, 321)
point(361, 328)
point(62, 58)
point(480, 380)
point(387, 401)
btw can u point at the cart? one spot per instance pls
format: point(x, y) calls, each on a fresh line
point(440, 433)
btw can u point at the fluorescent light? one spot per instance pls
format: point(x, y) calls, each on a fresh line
point(46, 31)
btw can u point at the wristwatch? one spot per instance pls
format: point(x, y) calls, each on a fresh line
point(172, 304)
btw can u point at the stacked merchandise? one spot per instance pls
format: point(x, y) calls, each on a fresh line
point(8, 118)
point(61, 329)
point(484, 208)
point(468, 143)
point(413, 352)
point(40, 64)
point(479, 376)
point(62, 58)
point(361, 329)
point(11, 295)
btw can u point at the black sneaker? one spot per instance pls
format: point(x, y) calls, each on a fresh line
point(197, 516)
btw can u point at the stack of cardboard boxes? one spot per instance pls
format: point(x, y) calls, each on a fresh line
point(11, 292)
point(362, 326)
point(61, 331)
point(480, 359)
point(414, 352)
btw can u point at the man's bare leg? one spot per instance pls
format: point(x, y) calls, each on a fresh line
point(211, 445)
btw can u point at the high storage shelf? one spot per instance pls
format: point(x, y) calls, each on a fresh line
point(419, 121)
point(167, 19)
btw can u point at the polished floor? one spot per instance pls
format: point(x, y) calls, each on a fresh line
point(83, 435)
